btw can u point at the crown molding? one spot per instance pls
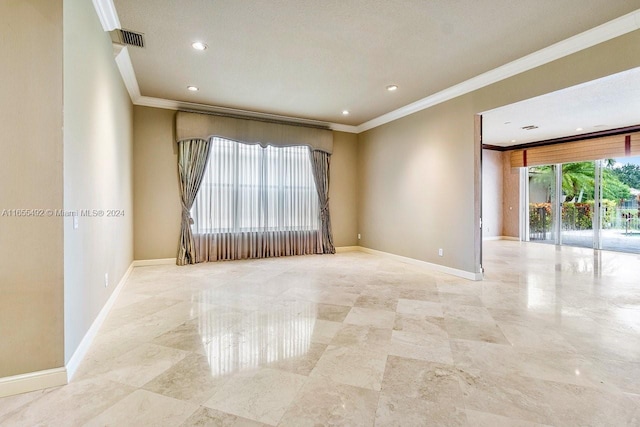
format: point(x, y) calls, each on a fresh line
point(123, 60)
point(168, 104)
point(107, 14)
point(607, 31)
point(343, 128)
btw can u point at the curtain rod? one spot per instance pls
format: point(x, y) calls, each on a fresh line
point(258, 119)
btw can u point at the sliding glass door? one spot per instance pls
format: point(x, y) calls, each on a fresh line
point(620, 210)
point(598, 204)
point(578, 192)
point(542, 204)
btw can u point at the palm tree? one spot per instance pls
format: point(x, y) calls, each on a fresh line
point(578, 181)
point(578, 178)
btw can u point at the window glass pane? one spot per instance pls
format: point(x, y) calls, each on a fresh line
point(251, 188)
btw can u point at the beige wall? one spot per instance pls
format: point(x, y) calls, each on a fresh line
point(343, 194)
point(156, 191)
point(417, 174)
point(492, 195)
point(415, 184)
point(98, 139)
point(157, 196)
point(500, 195)
point(31, 262)
point(511, 197)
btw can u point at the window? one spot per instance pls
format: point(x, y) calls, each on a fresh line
point(250, 188)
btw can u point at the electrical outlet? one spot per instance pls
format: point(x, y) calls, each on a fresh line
point(440, 252)
point(359, 236)
point(106, 279)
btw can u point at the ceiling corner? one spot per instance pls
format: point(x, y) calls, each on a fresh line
point(107, 14)
point(123, 60)
point(600, 34)
point(343, 128)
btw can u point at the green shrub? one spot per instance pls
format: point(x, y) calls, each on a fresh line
point(540, 218)
point(575, 216)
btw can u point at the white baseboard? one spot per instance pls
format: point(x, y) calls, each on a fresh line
point(81, 351)
point(160, 261)
point(32, 381)
point(493, 238)
point(342, 249)
point(444, 269)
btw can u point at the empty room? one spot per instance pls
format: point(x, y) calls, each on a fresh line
point(310, 213)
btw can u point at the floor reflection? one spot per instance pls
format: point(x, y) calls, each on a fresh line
point(246, 340)
point(550, 337)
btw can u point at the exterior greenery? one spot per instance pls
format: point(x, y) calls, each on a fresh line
point(575, 216)
point(578, 195)
point(629, 174)
point(578, 182)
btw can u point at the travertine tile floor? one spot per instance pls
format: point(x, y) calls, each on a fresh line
point(550, 337)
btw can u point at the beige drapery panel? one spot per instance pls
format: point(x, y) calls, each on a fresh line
point(193, 155)
point(321, 164)
point(607, 147)
point(250, 245)
point(203, 126)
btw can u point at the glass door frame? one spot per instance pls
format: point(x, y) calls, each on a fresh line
point(597, 205)
point(557, 209)
point(557, 205)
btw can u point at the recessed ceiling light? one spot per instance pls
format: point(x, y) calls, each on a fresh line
point(513, 140)
point(198, 46)
point(192, 88)
point(345, 112)
point(392, 88)
point(578, 129)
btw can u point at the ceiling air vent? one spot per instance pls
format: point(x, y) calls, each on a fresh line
point(129, 38)
point(530, 127)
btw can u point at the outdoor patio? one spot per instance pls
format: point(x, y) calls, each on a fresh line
point(612, 239)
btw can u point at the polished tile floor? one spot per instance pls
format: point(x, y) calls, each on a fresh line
point(550, 337)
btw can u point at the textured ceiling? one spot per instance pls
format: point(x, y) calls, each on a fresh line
point(608, 103)
point(312, 59)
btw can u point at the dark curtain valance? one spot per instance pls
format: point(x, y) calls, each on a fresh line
point(202, 126)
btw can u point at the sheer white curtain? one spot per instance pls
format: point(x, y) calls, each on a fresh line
point(256, 202)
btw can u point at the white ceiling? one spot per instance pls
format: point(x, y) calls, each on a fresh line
point(312, 59)
point(607, 103)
